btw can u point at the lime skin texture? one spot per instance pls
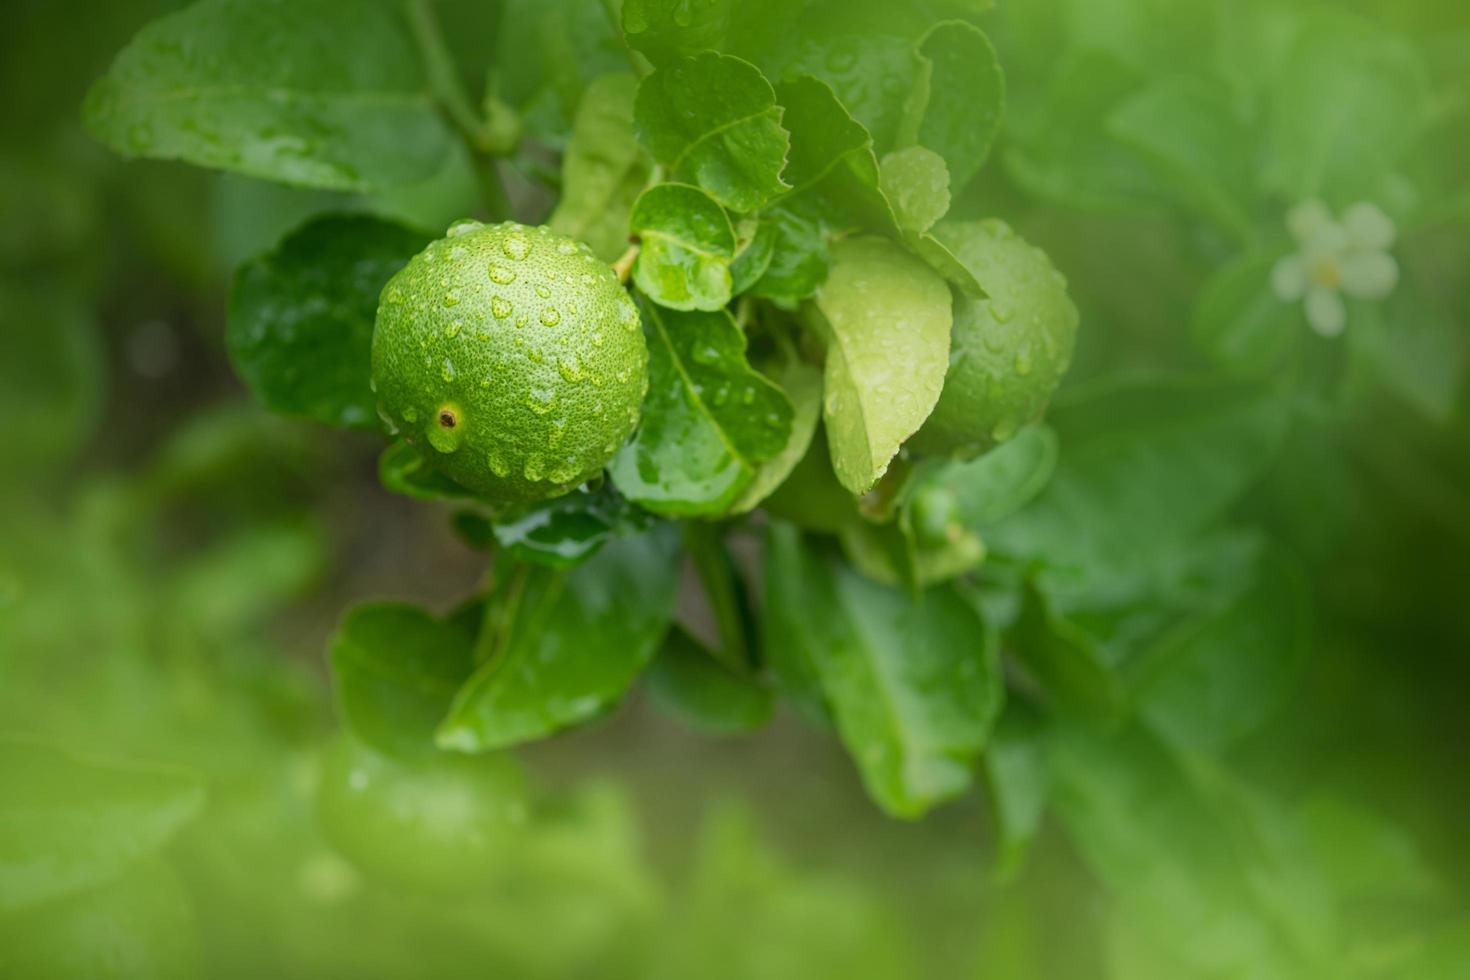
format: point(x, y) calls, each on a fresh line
point(511, 358)
point(1008, 349)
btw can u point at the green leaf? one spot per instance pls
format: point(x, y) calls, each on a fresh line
point(916, 182)
point(913, 684)
point(959, 95)
point(603, 169)
point(668, 29)
point(1216, 678)
point(1067, 661)
point(802, 385)
point(565, 531)
point(878, 301)
point(688, 682)
point(1146, 468)
point(1191, 131)
point(576, 643)
point(1239, 322)
point(755, 246)
point(871, 75)
point(687, 247)
point(1014, 768)
point(799, 257)
point(1349, 101)
point(69, 824)
point(396, 669)
point(1004, 480)
point(708, 422)
point(402, 470)
point(323, 93)
point(713, 120)
point(300, 326)
point(832, 158)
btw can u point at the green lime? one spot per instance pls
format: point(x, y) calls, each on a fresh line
point(511, 358)
point(1008, 350)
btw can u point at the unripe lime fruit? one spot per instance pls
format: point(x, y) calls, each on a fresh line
point(511, 358)
point(1008, 350)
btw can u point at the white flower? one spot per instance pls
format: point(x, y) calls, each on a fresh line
point(1335, 257)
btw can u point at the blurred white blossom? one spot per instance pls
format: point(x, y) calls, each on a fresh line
point(1336, 257)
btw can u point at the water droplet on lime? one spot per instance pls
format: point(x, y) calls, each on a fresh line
point(515, 247)
point(541, 400)
point(543, 290)
point(500, 307)
point(550, 317)
point(504, 275)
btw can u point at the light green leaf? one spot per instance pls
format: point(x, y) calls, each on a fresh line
point(916, 182)
point(1239, 322)
point(708, 422)
point(713, 120)
point(913, 684)
point(577, 642)
point(68, 824)
point(691, 684)
point(879, 301)
point(668, 29)
point(603, 169)
point(755, 242)
point(324, 93)
point(1351, 98)
point(832, 158)
point(958, 98)
point(799, 257)
point(300, 326)
point(687, 247)
point(396, 669)
point(871, 75)
point(564, 531)
point(802, 384)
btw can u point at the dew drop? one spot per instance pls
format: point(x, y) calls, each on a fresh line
point(522, 320)
point(501, 274)
point(596, 338)
point(1003, 430)
point(1001, 312)
point(463, 227)
point(453, 329)
point(395, 296)
point(748, 396)
point(410, 414)
point(535, 467)
point(570, 367)
point(500, 307)
point(550, 317)
point(515, 247)
point(558, 431)
point(543, 290)
point(567, 248)
point(446, 370)
point(706, 354)
point(1023, 361)
point(541, 400)
point(499, 465)
point(451, 298)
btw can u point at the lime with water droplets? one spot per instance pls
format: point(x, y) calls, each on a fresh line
point(1008, 350)
point(511, 358)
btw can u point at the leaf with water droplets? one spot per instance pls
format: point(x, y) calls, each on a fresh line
point(687, 245)
point(577, 642)
point(957, 100)
point(567, 530)
point(323, 93)
point(603, 168)
point(396, 668)
point(916, 183)
point(713, 120)
point(300, 323)
point(665, 30)
point(885, 319)
point(802, 384)
point(706, 420)
point(913, 683)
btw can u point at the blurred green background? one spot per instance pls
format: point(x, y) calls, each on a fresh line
point(173, 559)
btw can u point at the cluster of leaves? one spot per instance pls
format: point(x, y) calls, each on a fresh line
point(1144, 607)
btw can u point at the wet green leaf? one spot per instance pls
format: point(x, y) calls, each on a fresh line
point(885, 318)
point(755, 246)
point(68, 824)
point(566, 530)
point(832, 158)
point(916, 182)
point(574, 646)
point(802, 384)
point(603, 169)
point(668, 29)
point(689, 683)
point(799, 257)
point(396, 668)
point(913, 683)
point(324, 93)
point(713, 120)
point(958, 98)
point(708, 422)
point(687, 245)
point(300, 326)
